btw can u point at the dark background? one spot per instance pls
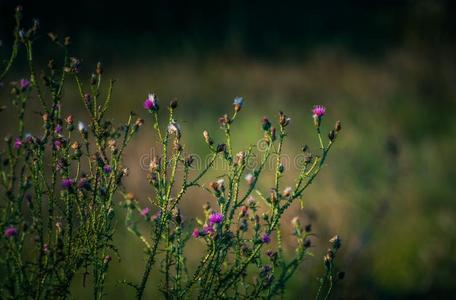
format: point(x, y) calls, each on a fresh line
point(387, 69)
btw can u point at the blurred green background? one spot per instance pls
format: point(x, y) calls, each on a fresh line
point(386, 69)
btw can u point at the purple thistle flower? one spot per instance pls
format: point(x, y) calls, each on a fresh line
point(67, 183)
point(319, 111)
point(196, 233)
point(10, 231)
point(145, 211)
point(107, 169)
point(266, 238)
point(18, 144)
point(58, 129)
point(57, 145)
point(208, 229)
point(215, 218)
point(24, 84)
point(151, 103)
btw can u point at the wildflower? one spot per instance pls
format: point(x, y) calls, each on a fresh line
point(57, 144)
point(238, 103)
point(145, 211)
point(18, 144)
point(196, 233)
point(58, 129)
point(215, 218)
point(24, 84)
point(208, 229)
point(107, 169)
point(287, 192)
point(318, 112)
point(249, 178)
point(266, 238)
point(10, 231)
point(69, 119)
point(29, 138)
point(67, 183)
point(151, 103)
point(174, 128)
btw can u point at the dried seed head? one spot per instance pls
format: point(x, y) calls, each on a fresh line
point(99, 69)
point(207, 138)
point(338, 126)
point(283, 119)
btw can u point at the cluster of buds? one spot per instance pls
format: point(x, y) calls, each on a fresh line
point(333, 133)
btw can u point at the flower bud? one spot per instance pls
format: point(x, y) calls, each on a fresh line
point(332, 135)
point(266, 125)
point(173, 104)
point(338, 126)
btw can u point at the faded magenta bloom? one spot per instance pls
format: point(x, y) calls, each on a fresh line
point(58, 129)
point(319, 111)
point(10, 231)
point(196, 233)
point(107, 169)
point(151, 103)
point(18, 144)
point(67, 183)
point(266, 238)
point(156, 216)
point(215, 218)
point(208, 229)
point(57, 145)
point(145, 211)
point(24, 84)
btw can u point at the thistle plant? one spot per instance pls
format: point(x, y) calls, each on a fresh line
point(57, 179)
point(239, 220)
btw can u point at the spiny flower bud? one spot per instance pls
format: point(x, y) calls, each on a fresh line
point(266, 125)
point(189, 161)
point(154, 164)
point(273, 134)
point(287, 192)
point(174, 128)
point(240, 158)
point(221, 148)
point(332, 135)
point(173, 104)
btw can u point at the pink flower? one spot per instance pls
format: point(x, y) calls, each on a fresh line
point(18, 144)
point(196, 233)
point(67, 183)
point(319, 111)
point(10, 231)
point(156, 216)
point(145, 211)
point(208, 229)
point(24, 84)
point(215, 218)
point(151, 103)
